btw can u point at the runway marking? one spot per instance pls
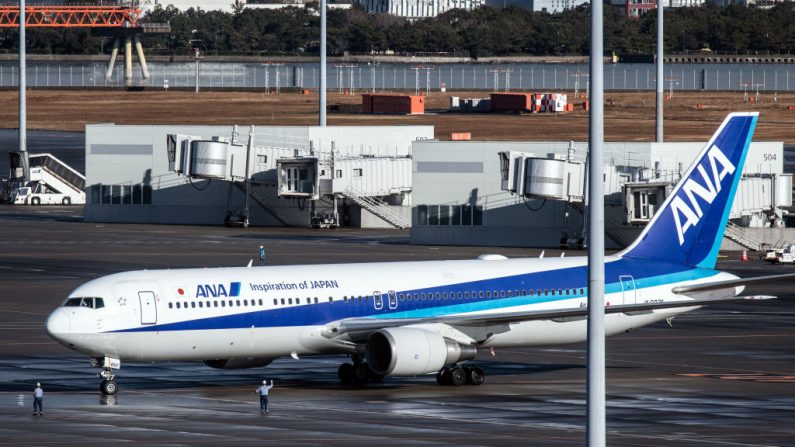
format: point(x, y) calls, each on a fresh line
point(22, 312)
point(761, 377)
point(410, 414)
point(639, 362)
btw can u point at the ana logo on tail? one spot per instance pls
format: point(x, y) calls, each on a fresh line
point(685, 206)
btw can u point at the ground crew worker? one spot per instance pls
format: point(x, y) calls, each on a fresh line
point(263, 396)
point(38, 400)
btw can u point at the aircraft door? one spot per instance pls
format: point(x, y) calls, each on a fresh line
point(378, 302)
point(393, 302)
point(628, 291)
point(148, 307)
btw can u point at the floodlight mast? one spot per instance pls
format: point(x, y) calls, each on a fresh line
point(595, 429)
point(23, 121)
point(323, 7)
point(659, 65)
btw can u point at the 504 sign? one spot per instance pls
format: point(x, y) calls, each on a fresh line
point(769, 157)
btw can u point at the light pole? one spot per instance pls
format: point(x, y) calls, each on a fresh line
point(23, 119)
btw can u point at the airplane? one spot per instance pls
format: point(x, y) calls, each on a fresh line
point(416, 318)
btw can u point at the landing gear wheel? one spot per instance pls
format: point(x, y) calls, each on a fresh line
point(443, 377)
point(361, 373)
point(108, 387)
point(475, 376)
point(458, 376)
point(345, 373)
point(374, 376)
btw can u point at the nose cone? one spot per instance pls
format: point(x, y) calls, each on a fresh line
point(58, 325)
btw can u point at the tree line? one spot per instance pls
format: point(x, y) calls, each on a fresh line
point(482, 32)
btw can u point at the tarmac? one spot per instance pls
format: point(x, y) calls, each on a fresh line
point(720, 376)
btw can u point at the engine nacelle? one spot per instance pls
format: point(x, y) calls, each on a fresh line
point(411, 352)
point(240, 363)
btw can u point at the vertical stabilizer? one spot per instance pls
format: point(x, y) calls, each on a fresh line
point(689, 226)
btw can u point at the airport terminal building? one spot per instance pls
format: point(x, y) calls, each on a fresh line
point(491, 193)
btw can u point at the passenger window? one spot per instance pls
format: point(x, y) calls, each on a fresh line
point(502, 294)
point(185, 304)
point(460, 295)
point(582, 291)
point(466, 295)
point(201, 303)
point(170, 305)
point(546, 291)
point(193, 304)
point(315, 300)
point(480, 294)
point(223, 303)
point(510, 293)
point(488, 294)
point(260, 302)
point(438, 295)
point(177, 305)
point(416, 296)
point(230, 303)
point(524, 292)
point(289, 301)
point(215, 303)
point(245, 302)
point(424, 296)
point(330, 299)
point(401, 297)
point(98, 303)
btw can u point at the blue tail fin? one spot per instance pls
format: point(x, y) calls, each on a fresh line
point(689, 226)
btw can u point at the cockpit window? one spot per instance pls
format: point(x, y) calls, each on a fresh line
point(91, 303)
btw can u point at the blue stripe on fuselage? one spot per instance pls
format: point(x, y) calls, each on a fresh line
point(645, 273)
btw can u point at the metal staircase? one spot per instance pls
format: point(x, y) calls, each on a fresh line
point(741, 236)
point(57, 174)
point(377, 207)
point(612, 227)
point(269, 203)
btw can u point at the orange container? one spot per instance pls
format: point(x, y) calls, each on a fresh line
point(511, 102)
point(460, 136)
point(401, 104)
point(790, 107)
point(367, 103)
point(305, 91)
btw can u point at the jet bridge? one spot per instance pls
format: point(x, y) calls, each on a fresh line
point(283, 180)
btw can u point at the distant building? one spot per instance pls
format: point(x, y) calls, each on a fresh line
point(550, 6)
point(204, 5)
point(418, 8)
point(637, 8)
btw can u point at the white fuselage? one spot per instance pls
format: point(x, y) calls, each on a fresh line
point(269, 312)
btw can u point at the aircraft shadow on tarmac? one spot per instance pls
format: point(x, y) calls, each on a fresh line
point(20, 374)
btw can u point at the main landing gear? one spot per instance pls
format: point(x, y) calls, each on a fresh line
point(108, 386)
point(460, 375)
point(359, 372)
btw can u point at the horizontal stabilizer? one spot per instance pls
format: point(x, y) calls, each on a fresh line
point(717, 285)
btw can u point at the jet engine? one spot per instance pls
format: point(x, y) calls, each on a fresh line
point(411, 352)
point(240, 363)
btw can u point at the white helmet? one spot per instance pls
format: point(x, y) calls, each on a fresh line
point(38, 384)
point(264, 382)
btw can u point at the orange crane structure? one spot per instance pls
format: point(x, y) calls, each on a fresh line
point(121, 19)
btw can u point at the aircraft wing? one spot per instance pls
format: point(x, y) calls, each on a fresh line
point(717, 285)
point(364, 325)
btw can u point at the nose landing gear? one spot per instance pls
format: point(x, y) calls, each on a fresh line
point(108, 386)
